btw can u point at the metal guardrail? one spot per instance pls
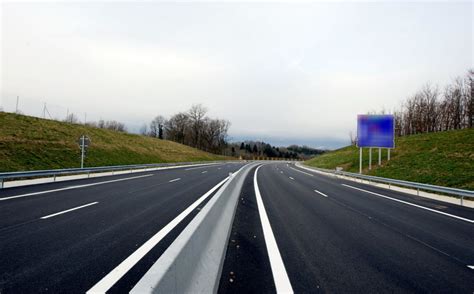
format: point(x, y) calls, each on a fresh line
point(418, 186)
point(77, 171)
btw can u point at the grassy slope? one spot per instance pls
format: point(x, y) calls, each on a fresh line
point(445, 158)
point(29, 143)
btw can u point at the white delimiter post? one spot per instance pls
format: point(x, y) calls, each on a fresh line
point(388, 154)
point(360, 160)
point(370, 158)
point(82, 151)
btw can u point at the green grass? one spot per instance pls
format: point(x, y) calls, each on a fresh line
point(444, 158)
point(29, 143)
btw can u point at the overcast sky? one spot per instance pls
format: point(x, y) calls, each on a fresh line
point(282, 72)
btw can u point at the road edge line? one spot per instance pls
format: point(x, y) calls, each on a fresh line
point(280, 276)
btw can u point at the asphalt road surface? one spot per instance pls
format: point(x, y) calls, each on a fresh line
point(70, 252)
point(338, 236)
point(294, 230)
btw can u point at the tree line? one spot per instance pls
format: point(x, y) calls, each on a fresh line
point(252, 149)
point(193, 128)
point(433, 110)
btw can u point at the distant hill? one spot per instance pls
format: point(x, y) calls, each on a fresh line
point(443, 158)
point(30, 143)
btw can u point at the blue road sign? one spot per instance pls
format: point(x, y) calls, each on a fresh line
point(375, 131)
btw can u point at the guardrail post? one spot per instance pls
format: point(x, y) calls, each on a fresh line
point(417, 191)
point(1, 183)
point(130, 170)
point(88, 174)
point(462, 198)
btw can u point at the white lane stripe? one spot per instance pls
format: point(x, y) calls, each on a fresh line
point(280, 277)
point(471, 266)
point(321, 193)
point(301, 171)
point(205, 166)
point(412, 204)
point(72, 187)
point(174, 180)
point(291, 178)
point(68, 210)
point(204, 172)
point(117, 273)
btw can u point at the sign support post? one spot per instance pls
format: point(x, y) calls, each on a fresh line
point(82, 151)
point(370, 158)
point(388, 154)
point(360, 160)
point(380, 156)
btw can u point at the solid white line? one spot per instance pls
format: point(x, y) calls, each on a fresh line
point(117, 273)
point(280, 277)
point(205, 166)
point(291, 178)
point(321, 193)
point(204, 172)
point(174, 180)
point(301, 171)
point(412, 204)
point(66, 211)
point(72, 187)
point(471, 266)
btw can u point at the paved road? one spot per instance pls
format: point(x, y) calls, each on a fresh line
point(101, 222)
point(338, 236)
point(293, 230)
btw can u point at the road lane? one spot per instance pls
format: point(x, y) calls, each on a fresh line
point(73, 251)
point(352, 241)
point(64, 195)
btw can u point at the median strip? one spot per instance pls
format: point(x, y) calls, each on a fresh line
point(68, 210)
point(412, 204)
point(117, 273)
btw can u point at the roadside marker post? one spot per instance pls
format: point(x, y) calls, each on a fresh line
point(84, 143)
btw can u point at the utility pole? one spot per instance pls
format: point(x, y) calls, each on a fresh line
point(17, 100)
point(44, 110)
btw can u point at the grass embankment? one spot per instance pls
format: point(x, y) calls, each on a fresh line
point(29, 143)
point(444, 158)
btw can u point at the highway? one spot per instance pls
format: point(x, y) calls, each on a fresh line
point(293, 231)
point(338, 236)
point(42, 251)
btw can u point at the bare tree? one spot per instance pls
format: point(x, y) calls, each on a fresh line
point(157, 126)
point(197, 114)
